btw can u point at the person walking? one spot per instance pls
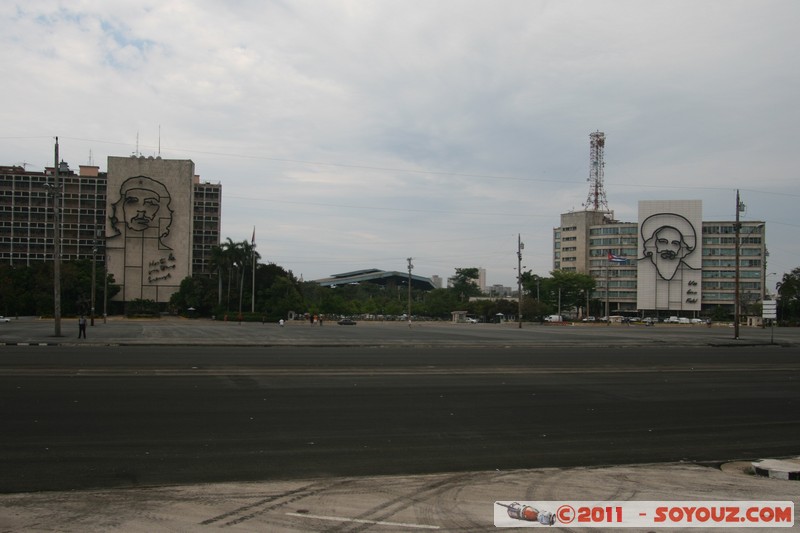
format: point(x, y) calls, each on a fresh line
point(82, 327)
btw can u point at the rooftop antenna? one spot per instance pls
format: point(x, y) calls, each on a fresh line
point(91, 159)
point(159, 140)
point(596, 201)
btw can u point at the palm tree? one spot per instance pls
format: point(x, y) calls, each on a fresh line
point(231, 260)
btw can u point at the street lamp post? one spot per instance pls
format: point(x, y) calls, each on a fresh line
point(520, 247)
point(410, 266)
point(55, 190)
point(737, 227)
point(608, 318)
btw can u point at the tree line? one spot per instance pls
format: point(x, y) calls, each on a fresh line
point(231, 285)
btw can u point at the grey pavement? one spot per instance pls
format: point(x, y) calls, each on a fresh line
point(172, 330)
point(443, 502)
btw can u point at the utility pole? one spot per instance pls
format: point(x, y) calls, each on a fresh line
point(410, 266)
point(520, 247)
point(608, 318)
point(737, 227)
point(56, 246)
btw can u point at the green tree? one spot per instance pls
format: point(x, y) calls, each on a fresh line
point(198, 293)
point(233, 261)
point(465, 283)
point(567, 288)
point(439, 303)
point(28, 290)
point(789, 292)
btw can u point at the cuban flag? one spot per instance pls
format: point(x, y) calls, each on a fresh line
point(616, 258)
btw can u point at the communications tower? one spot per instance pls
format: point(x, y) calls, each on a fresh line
point(596, 201)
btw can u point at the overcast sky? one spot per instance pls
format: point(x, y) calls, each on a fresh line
point(355, 134)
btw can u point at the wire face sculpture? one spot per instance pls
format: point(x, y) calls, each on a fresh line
point(140, 222)
point(668, 239)
point(669, 271)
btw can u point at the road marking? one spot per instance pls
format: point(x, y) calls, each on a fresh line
point(362, 521)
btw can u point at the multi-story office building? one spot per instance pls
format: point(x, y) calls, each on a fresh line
point(26, 216)
point(662, 262)
point(26, 213)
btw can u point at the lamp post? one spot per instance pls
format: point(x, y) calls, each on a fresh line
point(94, 278)
point(608, 318)
point(737, 228)
point(55, 191)
point(410, 266)
point(520, 247)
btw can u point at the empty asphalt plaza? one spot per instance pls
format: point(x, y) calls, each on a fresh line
point(183, 331)
point(56, 374)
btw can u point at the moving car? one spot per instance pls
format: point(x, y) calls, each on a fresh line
point(4, 319)
point(347, 322)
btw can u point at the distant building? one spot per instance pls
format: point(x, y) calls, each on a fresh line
point(669, 260)
point(93, 215)
point(501, 291)
point(377, 277)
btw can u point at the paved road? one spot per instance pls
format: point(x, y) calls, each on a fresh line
point(122, 416)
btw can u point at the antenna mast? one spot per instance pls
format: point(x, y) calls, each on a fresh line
point(596, 201)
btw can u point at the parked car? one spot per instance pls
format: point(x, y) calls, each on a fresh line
point(589, 319)
point(347, 322)
point(4, 319)
point(554, 318)
point(470, 320)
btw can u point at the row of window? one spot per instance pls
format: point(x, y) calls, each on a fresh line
point(614, 241)
point(731, 263)
point(614, 230)
point(746, 229)
point(731, 252)
point(731, 274)
point(629, 253)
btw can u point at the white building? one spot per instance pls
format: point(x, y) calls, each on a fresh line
point(670, 260)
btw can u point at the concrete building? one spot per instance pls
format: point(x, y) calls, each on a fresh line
point(26, 213)
point(180, 216)
point(669, 261)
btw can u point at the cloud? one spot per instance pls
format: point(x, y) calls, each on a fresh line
point(362, 132)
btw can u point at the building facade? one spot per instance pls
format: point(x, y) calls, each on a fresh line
point(93, 223)
point(669, 261)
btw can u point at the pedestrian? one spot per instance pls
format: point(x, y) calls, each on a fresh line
point(280, 322)
point(82, 327)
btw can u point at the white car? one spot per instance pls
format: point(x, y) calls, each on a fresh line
point(4, 319)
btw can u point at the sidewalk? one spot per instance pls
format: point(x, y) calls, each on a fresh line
point(442, 502)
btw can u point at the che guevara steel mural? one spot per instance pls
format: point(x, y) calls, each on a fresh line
point(143, 213)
